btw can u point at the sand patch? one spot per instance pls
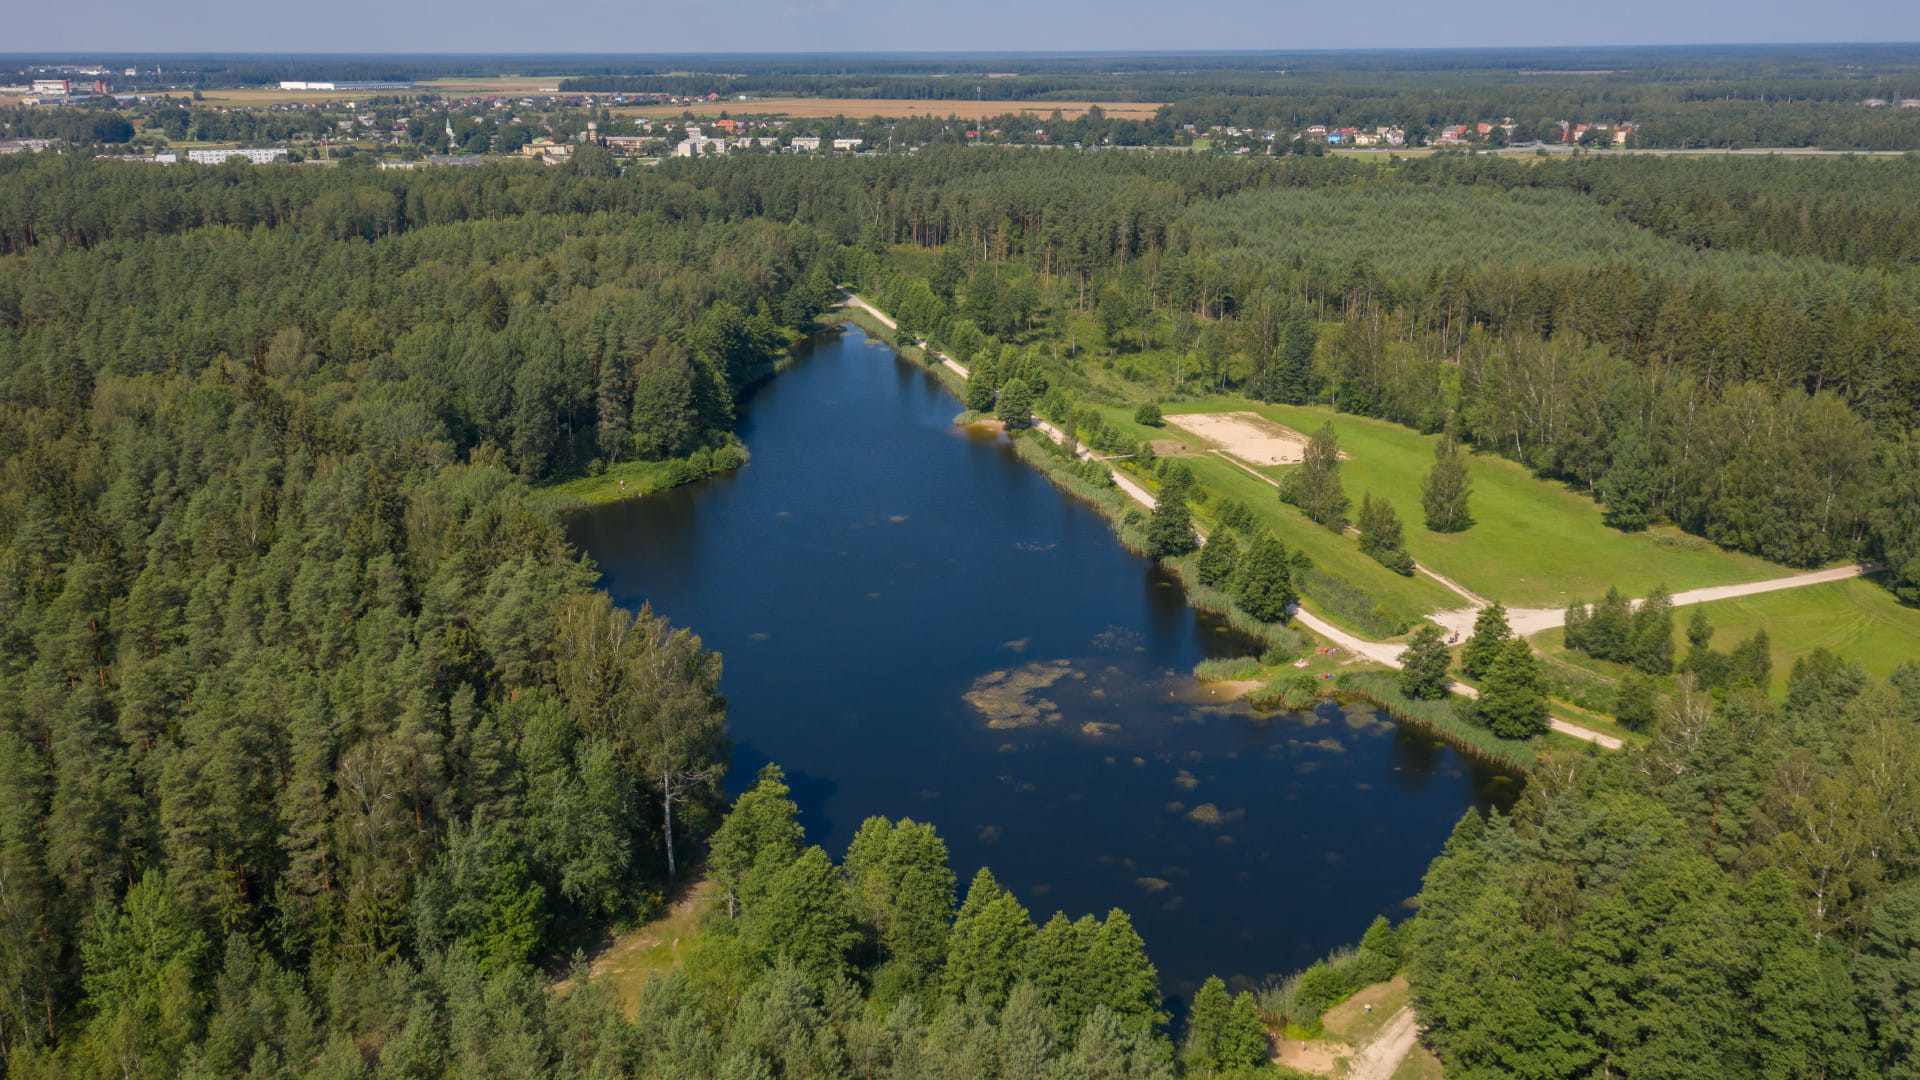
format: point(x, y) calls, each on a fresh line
point(1012, 699)
point(1319, 1057)
point(1248, 436)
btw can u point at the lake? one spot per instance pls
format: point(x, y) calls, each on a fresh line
point(917, 624)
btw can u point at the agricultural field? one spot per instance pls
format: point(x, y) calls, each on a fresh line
point(817, 108)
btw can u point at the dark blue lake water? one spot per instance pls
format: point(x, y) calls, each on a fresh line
point(916, 624)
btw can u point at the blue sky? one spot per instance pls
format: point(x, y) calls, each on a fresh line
point(624, 26)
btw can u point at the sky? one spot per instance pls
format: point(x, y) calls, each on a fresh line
point(624, 26)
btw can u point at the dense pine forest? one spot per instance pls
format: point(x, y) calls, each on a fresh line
point(320, 755)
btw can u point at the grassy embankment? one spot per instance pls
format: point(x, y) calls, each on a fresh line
point(630, 480)
point(653, 947)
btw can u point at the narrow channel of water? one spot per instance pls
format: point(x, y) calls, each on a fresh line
point(917, 624)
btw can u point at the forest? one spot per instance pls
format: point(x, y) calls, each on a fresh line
point(320, 755)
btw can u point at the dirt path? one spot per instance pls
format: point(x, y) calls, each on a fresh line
point(855, 301)
point(1530, 621)
point(1378, 1059)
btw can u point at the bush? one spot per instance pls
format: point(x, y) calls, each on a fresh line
point(1148, 414)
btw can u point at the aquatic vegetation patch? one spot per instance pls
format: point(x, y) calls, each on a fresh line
point(1011, 698)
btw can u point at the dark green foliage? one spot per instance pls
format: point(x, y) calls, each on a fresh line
point(1233, 514)
point(1446, 489)
point(1628, 489)
point(902, 893)
point(758, 839)
point(1224, 1033)
point(979, 395)
point(1634, 705)
point(987, 950)
point(1015, 405)
point(1889, 981)
point(805, 917)
point(1170, 524)
point(1148, 414)
point(1264, 586)
point(1490, 635)
point(1424, 664)
point(1380, 535)
point(1512, 702)
point(1640, 637)
point(1315, 485)
point(1219, 558)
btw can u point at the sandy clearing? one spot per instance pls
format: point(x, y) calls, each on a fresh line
point(1320, 1057)
point(1378, 1059)
point(1245, 435)
point(821, 107)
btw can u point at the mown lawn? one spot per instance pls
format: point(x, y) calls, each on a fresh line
point(1406, 598)
point(1534, 543)
point(1854, 619)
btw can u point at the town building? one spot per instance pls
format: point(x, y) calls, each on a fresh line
point(258, 156)
point(805, 142)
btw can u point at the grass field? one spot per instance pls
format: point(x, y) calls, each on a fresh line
point(1534, 543)
point(816, 108)
point(1854, 619)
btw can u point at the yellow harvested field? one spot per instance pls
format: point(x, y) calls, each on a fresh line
point(894, 107)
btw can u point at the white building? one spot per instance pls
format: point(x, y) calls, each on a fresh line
point(264, 156)
point(805, 142)
point(51, 87)
point(847, 144)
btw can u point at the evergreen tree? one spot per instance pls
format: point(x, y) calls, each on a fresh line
point(1218, 560)
point(1169, 525)
point(1628, 489)
point(1121, 976)
point(1207, 1020)
point(1424, 664)
point(902, 891)
point(1316, 481)
point(987, 946)
point(1295, 383)
point(979, 396)
point(1447, 489)
point(1244, 1045)
point(1490, 634)
point(1574, 627)
point(805, 916)
point(1633, 703)
point(1751, 663)
point(1015, 405)
point(758, 839)
point(1889, 981)
point(1609, 631)
point(1513, 703)
point(1380, 535)
point(1652, 649)
point(1264, 586)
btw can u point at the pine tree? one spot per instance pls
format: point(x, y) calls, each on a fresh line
point(1634, 702)
point(1751, 663)
point(1446, 489)
point(1574, 627)
point(988, 945)
point(1513, 703)
point(1218, 559)
point(1380, 535)
point(805, 916)
point(1295, 383)
point(1490, 634)
point(1264, 586)
point(755, 842)
point(1016, 404)
point(1424, 663)
point(902, 890)
point(1628, 488)
point(1316, 482)
point(1244, 1045)
point(1170, 525)
point(979, 396)
point(1609, 632)
point(1122, 978)
point(1207, 1020)
point(1652, 650)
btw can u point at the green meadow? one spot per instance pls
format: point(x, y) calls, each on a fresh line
point(1534, 543)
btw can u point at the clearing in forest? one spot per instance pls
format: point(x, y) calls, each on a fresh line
point(1248, 436)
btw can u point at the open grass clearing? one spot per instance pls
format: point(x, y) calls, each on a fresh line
point(823, 107)
point(656, 946)
point(1535, 543)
